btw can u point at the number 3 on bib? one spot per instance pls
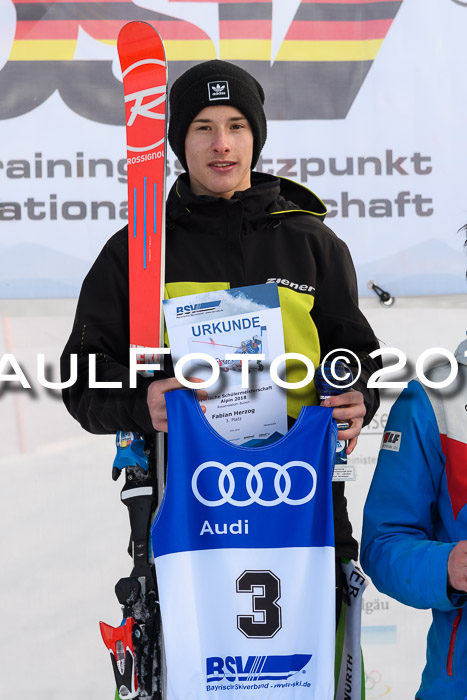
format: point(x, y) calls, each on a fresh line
point(265, 589)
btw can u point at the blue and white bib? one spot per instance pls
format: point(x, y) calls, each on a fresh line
point(244, 554)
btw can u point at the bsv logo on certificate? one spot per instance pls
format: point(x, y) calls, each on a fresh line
point(235, 334)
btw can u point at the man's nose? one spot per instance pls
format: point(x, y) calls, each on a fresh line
point(221, 143)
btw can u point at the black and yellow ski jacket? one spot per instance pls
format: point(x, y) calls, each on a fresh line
point(272, 232)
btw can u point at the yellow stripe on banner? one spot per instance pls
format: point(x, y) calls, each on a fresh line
point(183, 50)
point(245, 49)
point(64, 50)
point(329, 50)
point(189, 50)
point(43, 50)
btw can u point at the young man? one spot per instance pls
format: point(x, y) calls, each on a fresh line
point(227, 227)
point(414, 543)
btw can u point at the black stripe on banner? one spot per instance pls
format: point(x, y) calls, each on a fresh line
point(87, 10)
point(91, 90)
point(245, 11)
point(336, 82)
point(88, 88)
point(320, 12)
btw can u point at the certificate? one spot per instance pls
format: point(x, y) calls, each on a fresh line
point(244, 406)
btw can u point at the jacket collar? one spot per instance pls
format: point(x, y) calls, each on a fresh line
point(268, 195)
point(259, 197)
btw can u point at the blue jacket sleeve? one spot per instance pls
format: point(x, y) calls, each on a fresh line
point(399, 548)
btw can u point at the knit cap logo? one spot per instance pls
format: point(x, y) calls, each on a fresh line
point(218, 90)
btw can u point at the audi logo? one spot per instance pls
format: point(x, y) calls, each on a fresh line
point(254, 483)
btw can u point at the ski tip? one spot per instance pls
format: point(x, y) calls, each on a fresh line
point(137, 31)
point(138, 42)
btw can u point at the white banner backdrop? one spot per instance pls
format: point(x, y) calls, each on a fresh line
point(392, 170)
point(378, 103)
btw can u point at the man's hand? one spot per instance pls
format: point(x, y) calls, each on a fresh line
point(156, 399)
point(457, 566)
point(348, 408)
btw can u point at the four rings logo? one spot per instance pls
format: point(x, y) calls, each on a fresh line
point(230, 481)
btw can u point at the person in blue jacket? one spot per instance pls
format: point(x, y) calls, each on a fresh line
point(414, 539)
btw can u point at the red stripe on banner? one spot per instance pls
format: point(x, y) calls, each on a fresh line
point(245, 29)
point(61, 2)
point(99, 29)
point(456, 473)
point(233, 2)
point(66, 29)
point(45, 29)
point(173, 29)
point(346, 2)
point(322, 31)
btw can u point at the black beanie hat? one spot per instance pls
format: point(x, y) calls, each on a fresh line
point(215, 83)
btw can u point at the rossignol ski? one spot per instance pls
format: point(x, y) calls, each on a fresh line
point(136, 646)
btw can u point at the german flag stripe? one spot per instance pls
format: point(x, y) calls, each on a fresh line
point(87, 10)
point(337, 84)
point(34, 51)
point(350, 2)
point(221, 2)
point(329, 50)
point(324, 12)
point(99, 29)
point(230, 50)
point(193, 51)
point(245, 50)
point(40, 50)
point(326, 31)
point(229, 2)
point(332, 31)
point(239, 29)
point(41, 2)
point(245, 11)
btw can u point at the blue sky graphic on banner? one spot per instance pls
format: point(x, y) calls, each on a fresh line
point(354, 108)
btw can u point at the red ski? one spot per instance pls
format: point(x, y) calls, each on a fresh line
point(144, 70)
point(136, 646)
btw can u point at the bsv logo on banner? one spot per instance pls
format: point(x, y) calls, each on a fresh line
point(253, 485)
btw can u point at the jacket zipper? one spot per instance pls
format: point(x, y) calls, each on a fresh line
point(452, 641)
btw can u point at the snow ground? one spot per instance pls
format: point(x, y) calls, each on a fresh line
point(63, 529)
point(64, 533)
